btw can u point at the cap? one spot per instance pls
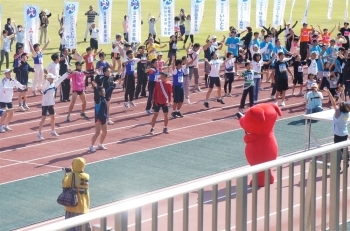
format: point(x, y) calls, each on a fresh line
point(159, 53)
point(304, 24)
point(256, 46)
point(127, 45)
point(79, 63)
point(214, 37)
point(8, 70)
point(314, 85)
point(50, 76)
point(152, 17)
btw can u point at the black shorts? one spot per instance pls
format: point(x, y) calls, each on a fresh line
point(178, 94)
point(282, 85)
point(46, 109)
point(266, 66)
point(93, 44)
point(20, 90)
point(6, 105)
point(102, 121)
point(164, 108)
point(78, 92)
point(214, 80)
point(117, 58)
point(298, 80)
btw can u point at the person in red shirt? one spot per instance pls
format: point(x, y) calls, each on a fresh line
point(161, 99)
point(304, 40)
point(326, 36)
point(89, 58)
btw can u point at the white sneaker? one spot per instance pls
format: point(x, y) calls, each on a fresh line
point(54, 133)
point(276, 103)
point(261, 89)
point(92, 149)
point(132, 103)
point(283, 104)
point(188, 101)
point(7, 128)
point(101, 147)
point(110, 122)
point(293, 93)
point(26, 107)
point(229, 95)
point(40, 136)
point(2, 130)
point(199, 89)
point(272, 97)
point(21, 108)
point(255, 101)
point(126, 104)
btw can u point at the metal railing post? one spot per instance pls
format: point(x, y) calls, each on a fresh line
point(214, 222)
point(200, 210)
point(121, 221)
point(241, 203)
point(267, 201)
point(345, 188)
point(228, 206)
point(310, 200)
point(185, 212)
point(155, 216)
point(334, 191)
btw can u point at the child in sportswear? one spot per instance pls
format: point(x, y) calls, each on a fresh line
point(178, 88)
point(248, 87)
point(129, 63)
point(161, 100)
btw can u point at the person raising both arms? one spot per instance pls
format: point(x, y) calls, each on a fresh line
point(37, 55)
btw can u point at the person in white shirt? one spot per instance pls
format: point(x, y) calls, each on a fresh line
point(126, 28)
point(229, 73)
point(6, 95)
point(192, 57)
point(115, 56)
point(94, 32)
point(54, 67)
point(48, 102)
point(214, 78)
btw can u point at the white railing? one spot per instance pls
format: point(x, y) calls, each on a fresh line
point(307, 202)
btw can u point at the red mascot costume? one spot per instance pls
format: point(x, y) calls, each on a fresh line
point(258, 123)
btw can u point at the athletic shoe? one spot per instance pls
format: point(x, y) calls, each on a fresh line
point(110, 122)
point(255, 101)
point(272, 97)
point(21, 108)
point(126, 104)
point(92, 149)
point(33, 92)
point(101, 147)
point(152, 131)
point(165, 130)
point(84, 115)
point(276, 103)
point(229, 95)
point(68, 100)
point(293, 93)
point(178, 114)
point(149, 112)
point(25, 106)
point(198, 89)
point(173, 114)
point(206, 104)
point(7, 128)
point(283, 104)
point(188, 101)
point(40, 136)
point(68, 119)
point(261, 89)
point(241, 110)
point(54, 133)
point(220, 101)
point(132, 103)
point(41, 92)
point(2, 129)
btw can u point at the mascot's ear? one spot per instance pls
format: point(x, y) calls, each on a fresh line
point(278, 110)
point(257, 113)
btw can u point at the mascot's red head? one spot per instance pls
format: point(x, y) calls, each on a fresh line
point(260, 119)
point(261, 145)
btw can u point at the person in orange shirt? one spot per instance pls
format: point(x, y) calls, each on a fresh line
point(326, 36)
point(304, 39)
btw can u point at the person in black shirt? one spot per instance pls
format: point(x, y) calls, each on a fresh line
point(141, 74)
point(298, 74)
point(281, 77)
point(10, 30)
point(173, 47)
point(64, 66)
point(345, 31)
point(247, 38)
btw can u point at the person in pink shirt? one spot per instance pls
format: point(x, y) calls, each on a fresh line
point(161, 61)
point(89, 58)
point(77, 76)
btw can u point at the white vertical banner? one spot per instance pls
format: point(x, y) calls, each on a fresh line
point(261, 13)
point(70, 12)
point(31, 25)
point(306, 11)
point(222, 15)
point(244, 7)
point(197, 11)
point(279, 7)
point(346, 10)
point(134, 20)
point(167, 15)
point(104, 21)
point(330, 7)
point(291, 11)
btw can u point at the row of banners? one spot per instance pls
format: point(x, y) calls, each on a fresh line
point(31, 19)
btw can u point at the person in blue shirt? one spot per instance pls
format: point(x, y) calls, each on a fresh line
point(178, 89)
point(255, 40)
point(278, 48)
point(232, 44)
point(266, 55)
point(153, 74)
point(129, 80)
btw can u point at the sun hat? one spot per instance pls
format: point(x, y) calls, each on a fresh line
point(8, 70)
point(314, 85)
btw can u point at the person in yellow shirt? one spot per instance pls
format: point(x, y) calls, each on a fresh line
point(81, 183)
point(152, 49)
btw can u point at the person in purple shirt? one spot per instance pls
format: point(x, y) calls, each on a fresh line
point(102, 63)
